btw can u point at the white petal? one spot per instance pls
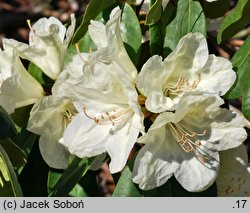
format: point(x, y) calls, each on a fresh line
point(228, 129)
point(156, 161)
point(195, 176)
point(20, 88)
point(190, 55)
point(47, 118)
point(119, 149)
point(217, 76)
point(97, 32)
point(234, 176)
point(47, 46)
point(53, 153)
point(84, 138)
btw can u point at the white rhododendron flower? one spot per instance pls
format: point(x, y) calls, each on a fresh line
point(47, 45)
point(17, 87)
point(48, 118)
point(234, 176)
point(186, 143)
point(189, 67)
point(108, 39)
point(109, 117)
point(101, 86)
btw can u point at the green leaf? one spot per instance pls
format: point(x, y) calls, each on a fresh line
point(125, 186)
point(33, 177)
point(21, 116)
point(25, 140)
point(241, 63)
point(245, 83)
point(156, 39)
point(16, 155)
point(157, 31)
point(131, 33)
point(7, 127)
point(154, 13)
point(9, 185)
point(54, 176)
point(93, 9)
point(189, 18)
point(43, 79)
point(216, 9)
point(234, 21)
point(71, 176)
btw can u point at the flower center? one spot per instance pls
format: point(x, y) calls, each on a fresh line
point(69, 115)
point(181, 84)
point(113, 117)
point(187, 139)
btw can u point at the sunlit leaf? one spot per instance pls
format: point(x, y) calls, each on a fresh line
point(157, 31)
point(125, 186)
point(71, 176)
point(54, 176)
point(131, 33)
point(9, 185)
point(154, 13)
point(16, 155)
point(93, 9)
point(189, 18)
point(234, 21)
point(241, 63)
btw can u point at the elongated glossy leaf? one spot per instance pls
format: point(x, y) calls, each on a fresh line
point(33, 177)
point(189, 18)
point(25, 140)
point(7, 127)
point(241, 63)
point(236, 20)
point(71, 176)
point(154, 13)
point(157, 31)
point(245, 85)
point(131, 33)
point(125, 186)
point(16, 155)
point(21, 116)
point(9, 185)
point(93, 9)
point(54, 176)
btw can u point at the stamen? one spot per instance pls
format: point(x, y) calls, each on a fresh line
point(79, 53)
point(29, 24)
point(94, 118)
point(181, 83)
point(187, 140)
point(113, 117)
point(69, 115)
